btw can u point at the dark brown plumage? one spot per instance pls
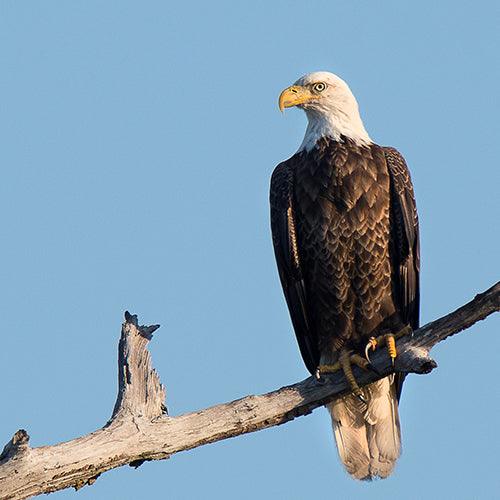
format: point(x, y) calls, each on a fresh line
point(345, 235)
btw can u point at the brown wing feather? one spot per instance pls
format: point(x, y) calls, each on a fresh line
point(288, 261)
point(405, 237)
point(405, 243)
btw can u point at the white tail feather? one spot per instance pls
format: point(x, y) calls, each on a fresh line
point(368, 436)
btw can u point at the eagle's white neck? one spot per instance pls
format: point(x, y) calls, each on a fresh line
point(333, 123)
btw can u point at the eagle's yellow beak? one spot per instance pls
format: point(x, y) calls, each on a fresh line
point(294, 95)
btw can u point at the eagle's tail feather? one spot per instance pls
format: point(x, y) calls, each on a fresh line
point(368, 436)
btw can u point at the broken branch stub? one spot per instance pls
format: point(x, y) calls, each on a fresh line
point(140, 391)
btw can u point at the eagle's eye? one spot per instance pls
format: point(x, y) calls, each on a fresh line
point(319, 87)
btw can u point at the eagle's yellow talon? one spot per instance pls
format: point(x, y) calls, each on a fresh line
point(345, 363)
point(391, 346)
point(346, 360)
point(389, 340)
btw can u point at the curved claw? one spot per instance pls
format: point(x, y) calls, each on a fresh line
point(372, 344)
point(367, 349)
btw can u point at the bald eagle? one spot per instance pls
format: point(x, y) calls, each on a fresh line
point(345, 235)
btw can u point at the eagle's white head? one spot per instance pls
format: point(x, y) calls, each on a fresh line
point(330, 106)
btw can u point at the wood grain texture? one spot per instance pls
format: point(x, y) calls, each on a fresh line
point(139, 429)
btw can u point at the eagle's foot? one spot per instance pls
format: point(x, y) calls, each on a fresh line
point(354, 358)
point(346, 359)
point(389, 340)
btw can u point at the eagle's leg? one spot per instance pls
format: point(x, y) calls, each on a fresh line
point(389, 339)
point(346, 359)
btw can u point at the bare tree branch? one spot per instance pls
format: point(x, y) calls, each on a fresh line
point(140, 430)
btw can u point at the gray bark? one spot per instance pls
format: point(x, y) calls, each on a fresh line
point(140, 430)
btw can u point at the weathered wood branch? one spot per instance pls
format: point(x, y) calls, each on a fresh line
point(140, 430)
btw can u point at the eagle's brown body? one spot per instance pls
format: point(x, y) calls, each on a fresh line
point(345, 234)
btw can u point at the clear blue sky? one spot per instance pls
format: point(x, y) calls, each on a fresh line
point(137, 142)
